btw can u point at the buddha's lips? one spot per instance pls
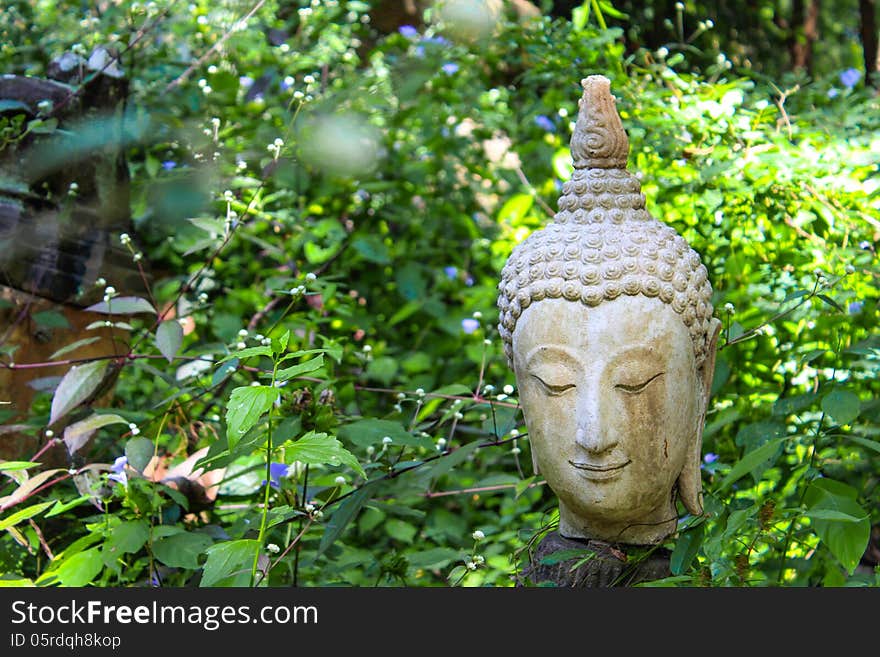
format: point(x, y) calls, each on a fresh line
point(595, 467)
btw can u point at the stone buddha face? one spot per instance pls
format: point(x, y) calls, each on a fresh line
point(614, 403)
point(606, 318)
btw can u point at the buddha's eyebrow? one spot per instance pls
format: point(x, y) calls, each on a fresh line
point(552, 354)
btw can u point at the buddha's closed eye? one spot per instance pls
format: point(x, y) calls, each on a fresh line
point(638, 387)
point(555, 387)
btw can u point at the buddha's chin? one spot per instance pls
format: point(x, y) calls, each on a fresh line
point(617, 525)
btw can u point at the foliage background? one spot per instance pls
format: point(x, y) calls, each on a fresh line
point(327, 209)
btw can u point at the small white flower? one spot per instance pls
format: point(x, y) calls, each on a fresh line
point(309, 79)
point(514, 433)
point(298, 95)
point(458, 416)
point(420, 392)
point(679, 6)
point(125, 238)
point(266, 342)
point(401, 396)
point(135, 430)
point(311, 276)
point(370, 450)
point(49, 433)
point(487, 342)
point(478, 535)
point(274, 549)
point(137, 256)
point(310, 507)
point(101, 282)
point(367, 349)
point(501, 397)
point(110, 291)
point(240, 345)
point(508, 389)
point(479, 560)
point(850, 269)
point(398, 408)
point(387, 440)
point(477, 315)
point(470, 565)
point(215, 418)
point(243, 333)
point(729, 309)
point(340, 480)
point(71, 471)
point(487, 389)
point(441, 443)
point(515, 451)
point(317, 514)
point(255, 384)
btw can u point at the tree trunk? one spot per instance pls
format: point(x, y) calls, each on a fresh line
point(804, 33)
point(868, 28)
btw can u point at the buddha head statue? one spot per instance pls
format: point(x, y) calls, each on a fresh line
point(606, 319)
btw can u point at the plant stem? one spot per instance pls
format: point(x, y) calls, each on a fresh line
point(265, 514)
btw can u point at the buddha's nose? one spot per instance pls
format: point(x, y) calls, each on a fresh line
point(592, 436)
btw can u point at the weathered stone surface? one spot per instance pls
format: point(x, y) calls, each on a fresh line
point(611, 566)
point(607, 321)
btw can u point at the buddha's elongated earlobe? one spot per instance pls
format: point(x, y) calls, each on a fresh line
point(690, 485)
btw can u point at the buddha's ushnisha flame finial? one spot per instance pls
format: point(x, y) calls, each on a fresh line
point(599, 140)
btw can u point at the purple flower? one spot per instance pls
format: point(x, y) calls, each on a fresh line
point(832, 92)
point(544, 123)
point(408, 31)
point(420, 51)
point(437, 40)
point(710, 458)
point(469, 280)
point(850, 77)
point(451, 272)
point(245, 81)
point(469, 325)
point(276, 471)
point(856, 307)
point(449, 68)
point(169, 164)
point(118, 470)
point(865, 245)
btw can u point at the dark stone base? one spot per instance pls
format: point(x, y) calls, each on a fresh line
point(611, 565)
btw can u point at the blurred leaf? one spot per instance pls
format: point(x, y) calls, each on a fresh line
point(169, 337)
point(23, 514)
point(139, 451)
point(76, 387)
point(123, 306)
point(842, 405)
point(76, 434)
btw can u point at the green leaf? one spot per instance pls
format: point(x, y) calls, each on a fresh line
point(400, 530)
point(445, 463)
point(319, 448)
point(73, 347)
point(80, 569)
point(840, 522)
point(246, 405)
point(125, 538)
point(76, 386)
point(303, 368)
point(750, 461)
point(842, 405)
point(686, 548)
point(139, 451)
point(372, 248)
point(831, 302)
point(169, 337)
point(50, 319)
point(344, 514)
point(247, 353)
point(23, 514)
point(76, 434)
point(515, 208)
point(364, 433)
point(225, 559)
point(182, 550)
point(66, 506)
point(864, 442)
point(27, 488)
point(9, 466)
point(123, 306)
